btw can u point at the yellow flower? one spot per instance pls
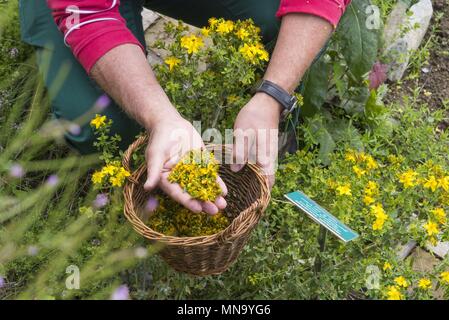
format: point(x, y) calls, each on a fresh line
point(172, 62)
point(424, 283)
point(361, 157)
point(393, 293)
point(378, 224)
point(372, 188)
point(254, 53)
point(439, 214)
point(98, 122)
point(263, 55)
point(368, 200)
point(358, 171)
point(444, 183)
point(192, 43)
point(116, 181)
point(97, 177)
point(387, 266)
point(371, 164)
point(225, 27)
point(431, 183)
point(408, 178)
point(378, 211)
point(213, 22)
point(344, 190)
point(431, 228)
point(445, 277)
point(350, 156)
point(205, 31)
point(242, 34)
point(401, 281)
point(109, 169)
point(122, 173)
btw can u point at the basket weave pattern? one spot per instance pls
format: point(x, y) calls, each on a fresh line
point(248, 197)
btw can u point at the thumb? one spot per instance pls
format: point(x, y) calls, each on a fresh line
point(154, 169)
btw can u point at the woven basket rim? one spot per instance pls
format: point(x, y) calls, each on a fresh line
point(239, 225)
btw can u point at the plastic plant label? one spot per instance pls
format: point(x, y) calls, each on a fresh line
point(321, 216)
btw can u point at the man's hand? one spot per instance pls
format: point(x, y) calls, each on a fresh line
point(256, 134)
point(170, 138)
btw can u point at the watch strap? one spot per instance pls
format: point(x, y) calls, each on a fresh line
point(276, 92)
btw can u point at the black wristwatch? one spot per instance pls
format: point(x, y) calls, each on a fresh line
point(287, 101)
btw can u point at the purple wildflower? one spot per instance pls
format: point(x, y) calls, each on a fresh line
point(16, 171)
point(121, 293)
point(100, 201)
point(2, 282)
point(152, 204)
point(102, 102)
point(52, 180)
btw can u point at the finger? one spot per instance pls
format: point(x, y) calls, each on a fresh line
point(209, 207)
point(155, 165)
point(221, 203)
point(174, 191)
point(223, 187)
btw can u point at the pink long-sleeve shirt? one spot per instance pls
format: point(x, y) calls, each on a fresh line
point(93, 27)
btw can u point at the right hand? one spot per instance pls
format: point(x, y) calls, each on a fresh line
point(170, 139)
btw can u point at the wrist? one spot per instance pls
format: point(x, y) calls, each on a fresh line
point(159, 109)
point(267, 105)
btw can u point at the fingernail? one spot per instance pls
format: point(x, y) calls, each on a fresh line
point(221, 203)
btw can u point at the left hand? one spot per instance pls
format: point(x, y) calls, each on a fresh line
point(258, 120)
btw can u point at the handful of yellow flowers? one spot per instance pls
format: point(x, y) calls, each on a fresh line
point(197, 174)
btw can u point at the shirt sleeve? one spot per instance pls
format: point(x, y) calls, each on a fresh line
point(91, 28)
point(331, 10)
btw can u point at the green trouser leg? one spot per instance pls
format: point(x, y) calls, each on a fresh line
point(74, 94)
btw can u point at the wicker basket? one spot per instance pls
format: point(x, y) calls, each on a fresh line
point(248, 197)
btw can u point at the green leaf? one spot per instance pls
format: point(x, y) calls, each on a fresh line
point(359, 44)
point(338, 78)
point(315, 87)
point(374, 107)
point(323, 138)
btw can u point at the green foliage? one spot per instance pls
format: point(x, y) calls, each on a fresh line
point(212, 83)
point(336, 85)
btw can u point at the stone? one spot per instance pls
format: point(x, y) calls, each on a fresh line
point(404, 33)
point(441, 249)
point(403, 251)
point(148, 18)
